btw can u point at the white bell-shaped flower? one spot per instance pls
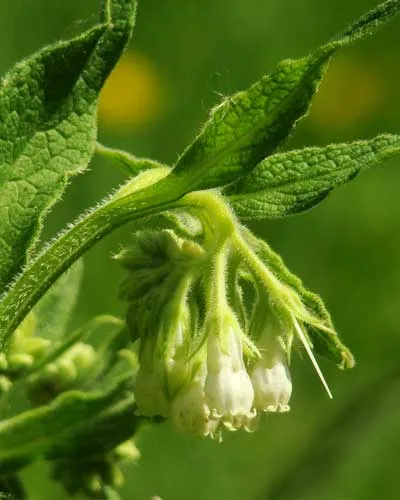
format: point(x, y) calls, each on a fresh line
point(271, 382)
point(189, 410)
point(228, 388)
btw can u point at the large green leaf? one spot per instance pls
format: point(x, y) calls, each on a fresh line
point(48, 127)
point(252, 124)
point(288, 183)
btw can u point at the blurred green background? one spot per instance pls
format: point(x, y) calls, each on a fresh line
point(186, 55)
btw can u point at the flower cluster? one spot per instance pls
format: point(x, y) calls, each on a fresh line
point(208, 361)
point(227, 388)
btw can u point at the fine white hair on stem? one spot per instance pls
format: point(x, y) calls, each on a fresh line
point(308, 349)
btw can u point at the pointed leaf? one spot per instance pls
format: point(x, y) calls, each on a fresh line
point(289, 183)
point(130, 164)
point(252, 124)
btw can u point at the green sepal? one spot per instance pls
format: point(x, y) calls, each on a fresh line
point(252, 124)
point(325, 341)
point(289, 183)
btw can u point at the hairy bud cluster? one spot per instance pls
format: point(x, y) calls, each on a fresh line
point(25, 349)
point(93, 475)
point(65, 372)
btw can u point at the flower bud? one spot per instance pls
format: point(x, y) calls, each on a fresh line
point(3, 362)
point(5, 384)
point(150, 393)
point(17, 362)
point(127, 452)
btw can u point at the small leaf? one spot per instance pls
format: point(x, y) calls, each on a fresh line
point(325, 343)
point(289, 183)
point(48, 127)
point(130, 164)
point(252, 124)
point(35, 432)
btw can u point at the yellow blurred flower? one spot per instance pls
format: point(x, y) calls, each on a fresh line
point(132, 95)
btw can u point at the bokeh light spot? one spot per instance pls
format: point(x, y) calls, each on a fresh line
point(132, 95)
point(351, 92)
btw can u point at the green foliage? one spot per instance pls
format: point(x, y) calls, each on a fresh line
point(35, 432)
point(48, 127)
point(250, 125)
point(130, 164)
point(54, 311)
point(326, 343)
point(288, 183)
point(82, 402)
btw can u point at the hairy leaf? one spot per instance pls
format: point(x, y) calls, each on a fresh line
point(130, 164)
point(325, 343)
point(126, 205)
point(252, 124)
point(35, 432)
point(48, 127)
point(289, 183)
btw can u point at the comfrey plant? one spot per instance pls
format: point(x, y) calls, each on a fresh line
point(213, 314)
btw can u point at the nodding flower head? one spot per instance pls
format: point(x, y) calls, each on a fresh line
point(219, 394)
point(228, 387)
point(211, 357)
point(271, 382)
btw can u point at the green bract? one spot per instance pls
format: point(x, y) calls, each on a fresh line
point(212, 312)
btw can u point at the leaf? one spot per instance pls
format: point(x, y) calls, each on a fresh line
point(292, 182)
point(252, 124)
point(35, 432)
point(101, 434)
point(111, 426)
point(54, 310)
point(327, 344)
point(48, 128)
point(130, 164)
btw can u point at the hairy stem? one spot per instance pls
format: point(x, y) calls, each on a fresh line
point(44, 271)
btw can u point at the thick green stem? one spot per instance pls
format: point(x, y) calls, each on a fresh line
point(44, 271)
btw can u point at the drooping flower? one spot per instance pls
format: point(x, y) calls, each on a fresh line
point(190, 412)
point(228, 388)
point(219, 393)
point(271, 382)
